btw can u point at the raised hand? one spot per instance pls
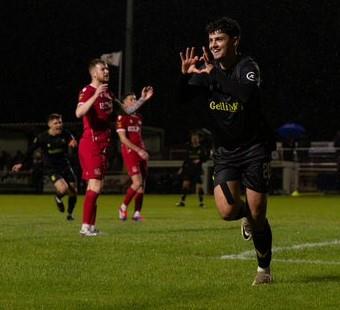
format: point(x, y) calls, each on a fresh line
point(207, 61)
point(72, 143)
point(16, 168)
point(143, 154)
point(147, 92)
point(102, 88)
point(189, 61)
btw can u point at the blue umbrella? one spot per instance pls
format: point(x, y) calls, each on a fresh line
point(291, 131)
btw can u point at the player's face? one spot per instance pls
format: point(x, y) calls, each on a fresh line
point(56, 125)
point(195, 140)
point(101, 73)
point(222, 45)
point(130, 100)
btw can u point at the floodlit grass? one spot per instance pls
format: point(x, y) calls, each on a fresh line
point(170, 261)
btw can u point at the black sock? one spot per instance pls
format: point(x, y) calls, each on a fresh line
point(200, 195)
point(184, 194)
point(71, 204)
point(59, 195)
point(59, 201)
point(263, 245)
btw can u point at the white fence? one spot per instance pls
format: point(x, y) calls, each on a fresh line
point(312, 169)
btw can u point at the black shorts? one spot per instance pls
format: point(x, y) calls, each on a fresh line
point(250, 166)
point(192, 173)
point(57, 173)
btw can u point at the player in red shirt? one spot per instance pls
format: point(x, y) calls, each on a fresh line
point(95, 107)
point(129, 129)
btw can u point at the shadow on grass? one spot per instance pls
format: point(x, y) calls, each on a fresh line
point(314, 279)
point(198, 229)
point(321, 279)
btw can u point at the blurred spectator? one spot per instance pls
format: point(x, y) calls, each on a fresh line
point(295, 149)
point(5, 161)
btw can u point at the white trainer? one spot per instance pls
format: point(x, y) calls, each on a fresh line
point(88, 233)
point(263, 277)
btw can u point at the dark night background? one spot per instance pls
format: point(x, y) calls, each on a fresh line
point(46, 46)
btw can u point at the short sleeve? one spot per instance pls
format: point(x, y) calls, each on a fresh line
point(250, 72)
point(120, 123)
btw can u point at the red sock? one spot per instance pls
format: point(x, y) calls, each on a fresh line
point(89, 207)
point(139, 201)
point(94, 215)
point(130, 193)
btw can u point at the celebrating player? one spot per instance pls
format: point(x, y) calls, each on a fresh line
point(95, 107)
point(230, 83)
point(55, 143)
point(129, 129)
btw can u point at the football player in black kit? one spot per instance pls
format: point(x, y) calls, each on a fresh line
point(55, 143)
point(191, 170)
point(230, 84)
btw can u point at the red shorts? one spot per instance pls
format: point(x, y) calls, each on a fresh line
point(134, 163)
point(93, 158)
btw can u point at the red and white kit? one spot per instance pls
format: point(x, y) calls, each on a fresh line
point(96, 135)
point(132, 125)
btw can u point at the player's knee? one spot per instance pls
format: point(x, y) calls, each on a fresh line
point(136, 185)
point(95, 186)
point(226, 211)
point(62, 189)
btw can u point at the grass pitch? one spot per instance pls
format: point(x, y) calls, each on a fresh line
point(173, 260)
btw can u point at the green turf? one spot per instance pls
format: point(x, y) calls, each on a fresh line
point(170, 261)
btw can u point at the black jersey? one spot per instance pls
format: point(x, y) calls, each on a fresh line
point(233, 102)
point(195, 156)
point(54, 149)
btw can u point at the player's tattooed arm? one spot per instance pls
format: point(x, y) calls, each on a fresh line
point(146, 94)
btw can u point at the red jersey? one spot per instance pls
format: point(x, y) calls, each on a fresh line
point(132, 125)
point(97, 121)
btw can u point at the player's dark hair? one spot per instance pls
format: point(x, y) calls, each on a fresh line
point(226, 25)
point(196, 132)
point(131, 93)
point(53, 116)
point(95, 62)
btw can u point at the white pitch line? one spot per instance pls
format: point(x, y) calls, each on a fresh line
point(249, 255)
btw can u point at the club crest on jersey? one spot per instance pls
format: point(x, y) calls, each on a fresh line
point(251, 76)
